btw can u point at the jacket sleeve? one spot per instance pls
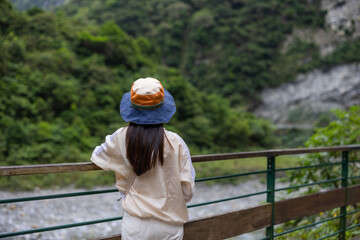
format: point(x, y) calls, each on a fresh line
point(108, 156)
point(187, 172)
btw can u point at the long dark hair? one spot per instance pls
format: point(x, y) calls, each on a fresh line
point(144, 145)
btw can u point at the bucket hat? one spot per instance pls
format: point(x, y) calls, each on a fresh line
point(148, 102)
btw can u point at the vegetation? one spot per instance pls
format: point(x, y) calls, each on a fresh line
point(62, 81)
point(219, 46)
point(344, 131)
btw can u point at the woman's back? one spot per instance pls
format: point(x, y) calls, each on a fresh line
point(153, 168)
point(162, 191)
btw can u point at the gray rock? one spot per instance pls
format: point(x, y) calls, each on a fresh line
point(342, 22)
point(311, 94)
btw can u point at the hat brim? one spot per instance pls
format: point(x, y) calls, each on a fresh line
point(162, 114)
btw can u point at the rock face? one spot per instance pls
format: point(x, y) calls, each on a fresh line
point(342, 22)
point(342, 14)
point(301, 101)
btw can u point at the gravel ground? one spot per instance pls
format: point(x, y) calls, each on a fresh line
point(45, 213)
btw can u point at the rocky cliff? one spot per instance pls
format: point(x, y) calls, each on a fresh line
point(342, 22)
point(299, 103)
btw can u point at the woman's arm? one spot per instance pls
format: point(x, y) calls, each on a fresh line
point(108, 156)
point(187, 172)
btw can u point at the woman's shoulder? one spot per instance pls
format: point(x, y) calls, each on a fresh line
point(122, 129)
point(174, 137)
point(120, 132)
point(171, 134)
point(178, 143)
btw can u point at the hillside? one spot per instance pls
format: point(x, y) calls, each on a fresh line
point(235, 49)
point(62, 81)
point(240, 45)
point(239, 49)
point(230, 47)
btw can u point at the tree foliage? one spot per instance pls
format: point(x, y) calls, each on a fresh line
point(344, 131)
point(219, 46)
point(62, 81)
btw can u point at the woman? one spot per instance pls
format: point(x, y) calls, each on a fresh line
point(153, 168)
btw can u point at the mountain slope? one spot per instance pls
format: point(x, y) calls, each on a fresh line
point(61, 82)
point(236, 47)
point(219, 46)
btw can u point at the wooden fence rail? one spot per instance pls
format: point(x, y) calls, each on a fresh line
point(89, 166)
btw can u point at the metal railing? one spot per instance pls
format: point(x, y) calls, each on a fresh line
point(270, 191)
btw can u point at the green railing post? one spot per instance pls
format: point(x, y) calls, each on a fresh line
point(344, 184)
point(271, 194)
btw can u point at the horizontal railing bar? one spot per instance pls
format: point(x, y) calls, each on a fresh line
point(11, 234)
point(306, 226)
point(352, 212)
point(308, 184)
point(226, 199)
point(88, 166)
point(63, 195)
point(47, 168)
point(310, 166)
point(353, 226)
point(330, 235)
point(353, 177)
point(275, 152)
point(354, 161)
point(230, 224)
point(230, 176)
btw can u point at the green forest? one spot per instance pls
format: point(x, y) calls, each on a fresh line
point(231, 48)
point(62, 81)
point(63, 72)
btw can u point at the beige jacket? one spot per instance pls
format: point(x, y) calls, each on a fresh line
point(162, 191)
